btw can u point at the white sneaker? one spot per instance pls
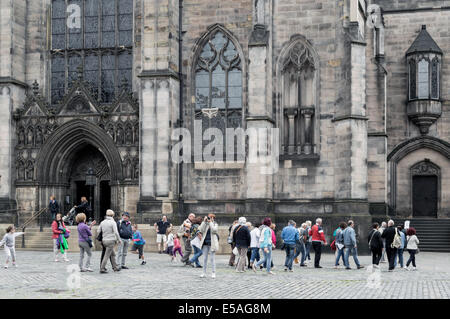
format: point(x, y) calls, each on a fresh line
point(89, 270)
point(6, 266)
point(66, 260)
point(56, 260)
point(213, 275)
point(414, 268)
point(14, 265)
point(404, 267)
point(202, 276)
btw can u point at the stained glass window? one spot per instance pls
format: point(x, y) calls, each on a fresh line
point(96, 35)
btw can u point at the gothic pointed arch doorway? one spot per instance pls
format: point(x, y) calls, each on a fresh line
point(75, 148)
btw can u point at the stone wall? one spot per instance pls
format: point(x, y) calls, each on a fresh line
point(401, 31)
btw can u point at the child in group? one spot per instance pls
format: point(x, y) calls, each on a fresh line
point(9, 240)
point(139, 242)
point(170, 242)
point(176, 247)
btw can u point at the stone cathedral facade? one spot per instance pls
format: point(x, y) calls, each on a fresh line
point(358, 89)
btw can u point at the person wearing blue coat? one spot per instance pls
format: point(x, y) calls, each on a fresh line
point(350, 245)
point(290, 236)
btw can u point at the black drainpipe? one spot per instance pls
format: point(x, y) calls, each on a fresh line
point(180, 74)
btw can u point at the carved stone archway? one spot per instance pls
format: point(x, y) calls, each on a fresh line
point(58, 152)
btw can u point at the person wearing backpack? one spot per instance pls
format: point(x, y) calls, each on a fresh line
point(339, 242)
point(375, 245)
point(390, 234)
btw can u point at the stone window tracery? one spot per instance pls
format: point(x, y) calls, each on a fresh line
point(298, 100)
point(100, 41)
point(218, 83)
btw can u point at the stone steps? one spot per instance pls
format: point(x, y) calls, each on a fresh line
point(433, 234)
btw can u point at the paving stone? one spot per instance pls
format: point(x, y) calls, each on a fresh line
point(39, 277)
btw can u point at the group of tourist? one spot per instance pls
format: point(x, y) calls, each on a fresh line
point(251, 245)
point(392, 241)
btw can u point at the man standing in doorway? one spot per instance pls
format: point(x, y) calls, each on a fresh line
point(53, 207)
point(185, 233)
point(318, 239)
point(84, 207)
point(126, 233)
point(161, 227)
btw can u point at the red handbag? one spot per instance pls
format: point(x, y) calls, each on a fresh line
point(333, 245)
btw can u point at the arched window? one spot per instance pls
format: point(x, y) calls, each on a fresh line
point(218, 82)
point(96, 35)
point(298, 87)
point(218, 74)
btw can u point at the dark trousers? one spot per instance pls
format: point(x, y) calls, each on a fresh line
point(412, 257)
point(317, 246)
point(391, 253)
point(376, 255)
point(290, 251)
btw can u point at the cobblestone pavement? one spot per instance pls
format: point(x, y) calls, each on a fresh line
point(39, 277)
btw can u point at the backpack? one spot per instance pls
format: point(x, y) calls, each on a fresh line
point(397, 243)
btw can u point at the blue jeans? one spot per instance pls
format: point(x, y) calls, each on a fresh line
point(300, 248)
point(255, 254)
point(290, 249)
point(340, 253)
point(354, 253)
point(400, 257)
point(307, 249)
point(197, 253)
point(267, 258)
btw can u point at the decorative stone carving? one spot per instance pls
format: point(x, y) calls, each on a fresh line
point(425, 168)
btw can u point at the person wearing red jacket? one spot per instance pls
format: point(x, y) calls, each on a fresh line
point(318, 239)
point(57, 223)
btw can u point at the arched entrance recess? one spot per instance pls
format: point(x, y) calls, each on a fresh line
point(59, 156)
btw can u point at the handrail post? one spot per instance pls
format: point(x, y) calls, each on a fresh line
point(23, 237)
point(41, 229)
